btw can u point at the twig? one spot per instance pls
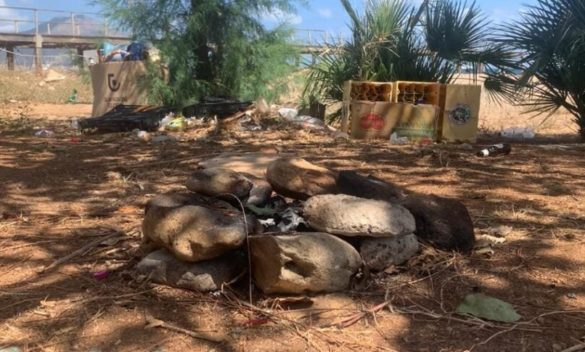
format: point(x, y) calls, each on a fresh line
point(575, 348)
point(247, 245)
point(156, 323)
point(78, 252)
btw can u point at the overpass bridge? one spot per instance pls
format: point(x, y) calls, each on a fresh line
point(40, 28)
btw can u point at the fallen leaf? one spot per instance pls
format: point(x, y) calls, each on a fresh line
point(489, 308)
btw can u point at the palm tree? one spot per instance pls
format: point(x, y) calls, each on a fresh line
point(394, 40)
point(549, 40)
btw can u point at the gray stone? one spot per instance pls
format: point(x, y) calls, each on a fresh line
point(299, 179)
point(302, 262)
point(354, 184)
point(219, 182)
point(163, 268)
point(194, 228)
point(260, 192)
point(352, 216)
point(380, 253)
point(442, 222)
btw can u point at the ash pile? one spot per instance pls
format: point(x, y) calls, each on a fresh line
point(301, 227)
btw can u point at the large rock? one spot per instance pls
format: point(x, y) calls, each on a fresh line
point(442, 222)
point(302, 262)
point(354, 184)
point(299, 179)
point(250, 163)
point(352, 216)
point(219, 182)
point(260, 192)
point(380, 253)
point(163, 268)
point(194, 228)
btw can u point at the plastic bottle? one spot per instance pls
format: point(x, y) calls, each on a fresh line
point(495, 150)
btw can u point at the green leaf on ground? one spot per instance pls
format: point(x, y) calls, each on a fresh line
point(489, 308)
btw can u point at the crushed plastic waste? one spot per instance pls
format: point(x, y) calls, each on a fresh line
point(44, 133)
point(519, 132)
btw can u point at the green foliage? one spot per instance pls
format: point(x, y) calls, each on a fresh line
point(395, 40)
point(211, 47)
point(549, 40)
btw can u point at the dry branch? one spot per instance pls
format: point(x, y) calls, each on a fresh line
point(78, 252)
point(156, 323)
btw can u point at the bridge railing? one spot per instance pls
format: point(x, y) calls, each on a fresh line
point(40, 21)
point(316, 37)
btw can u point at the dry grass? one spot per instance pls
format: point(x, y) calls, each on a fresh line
point(23, 85)
point(495, 117)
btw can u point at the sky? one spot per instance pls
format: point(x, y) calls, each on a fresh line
point(326, 15)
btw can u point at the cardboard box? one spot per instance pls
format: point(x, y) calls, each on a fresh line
point(381, 119)
point(117, 83)
point(459, 118)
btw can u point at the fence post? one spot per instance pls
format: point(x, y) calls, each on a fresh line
point(39, 54)
point(49, 28)
point(10, 58)
point(105, 27)
point(15, 26)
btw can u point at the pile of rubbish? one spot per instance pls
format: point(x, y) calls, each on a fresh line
point(304, 227)
point(135, 51)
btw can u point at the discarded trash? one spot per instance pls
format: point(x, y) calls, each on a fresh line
point(44, 133)
point(572, 295)
point(163, 139)
point(262, 106)
point(518, 132)
point(487, 241)
point(73, 97)
point(53, 76)
point(126, 118)
point(101, 275)
point(266, 211)
point(75, 124)
point(11, 349)
point(339, 136)
point(501, 231)
point(290, 220)
point(178, 123)
point(489, 308)
point(75, 140)
point(395, 140)
point(495, 150)
point(144, 136)
point(288, 113)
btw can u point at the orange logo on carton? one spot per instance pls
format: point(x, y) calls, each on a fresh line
point(372, 122)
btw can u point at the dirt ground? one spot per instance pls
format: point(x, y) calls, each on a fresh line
point(60, 193)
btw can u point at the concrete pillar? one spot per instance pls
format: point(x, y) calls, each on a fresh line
point(10, 58)
point(39, 54)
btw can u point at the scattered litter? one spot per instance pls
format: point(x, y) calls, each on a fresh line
point(339, 136)
point(101, 275)
point(143, 136)
point(518, 132)
point(262, 106)
point(126, 118)
point(290, 220)
point(266, 211)
point(489, 308)
point(572, 295)
point(288, 113)
point(495, 150)
point(164, 139)
point(501, 231)
point(73, 97)
point(395, 140)
point(75, 140)
point(44, 133)
point(268, 222)
point(11, 349)
point(488, 241)
point(13, 101)
point(53, 76)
